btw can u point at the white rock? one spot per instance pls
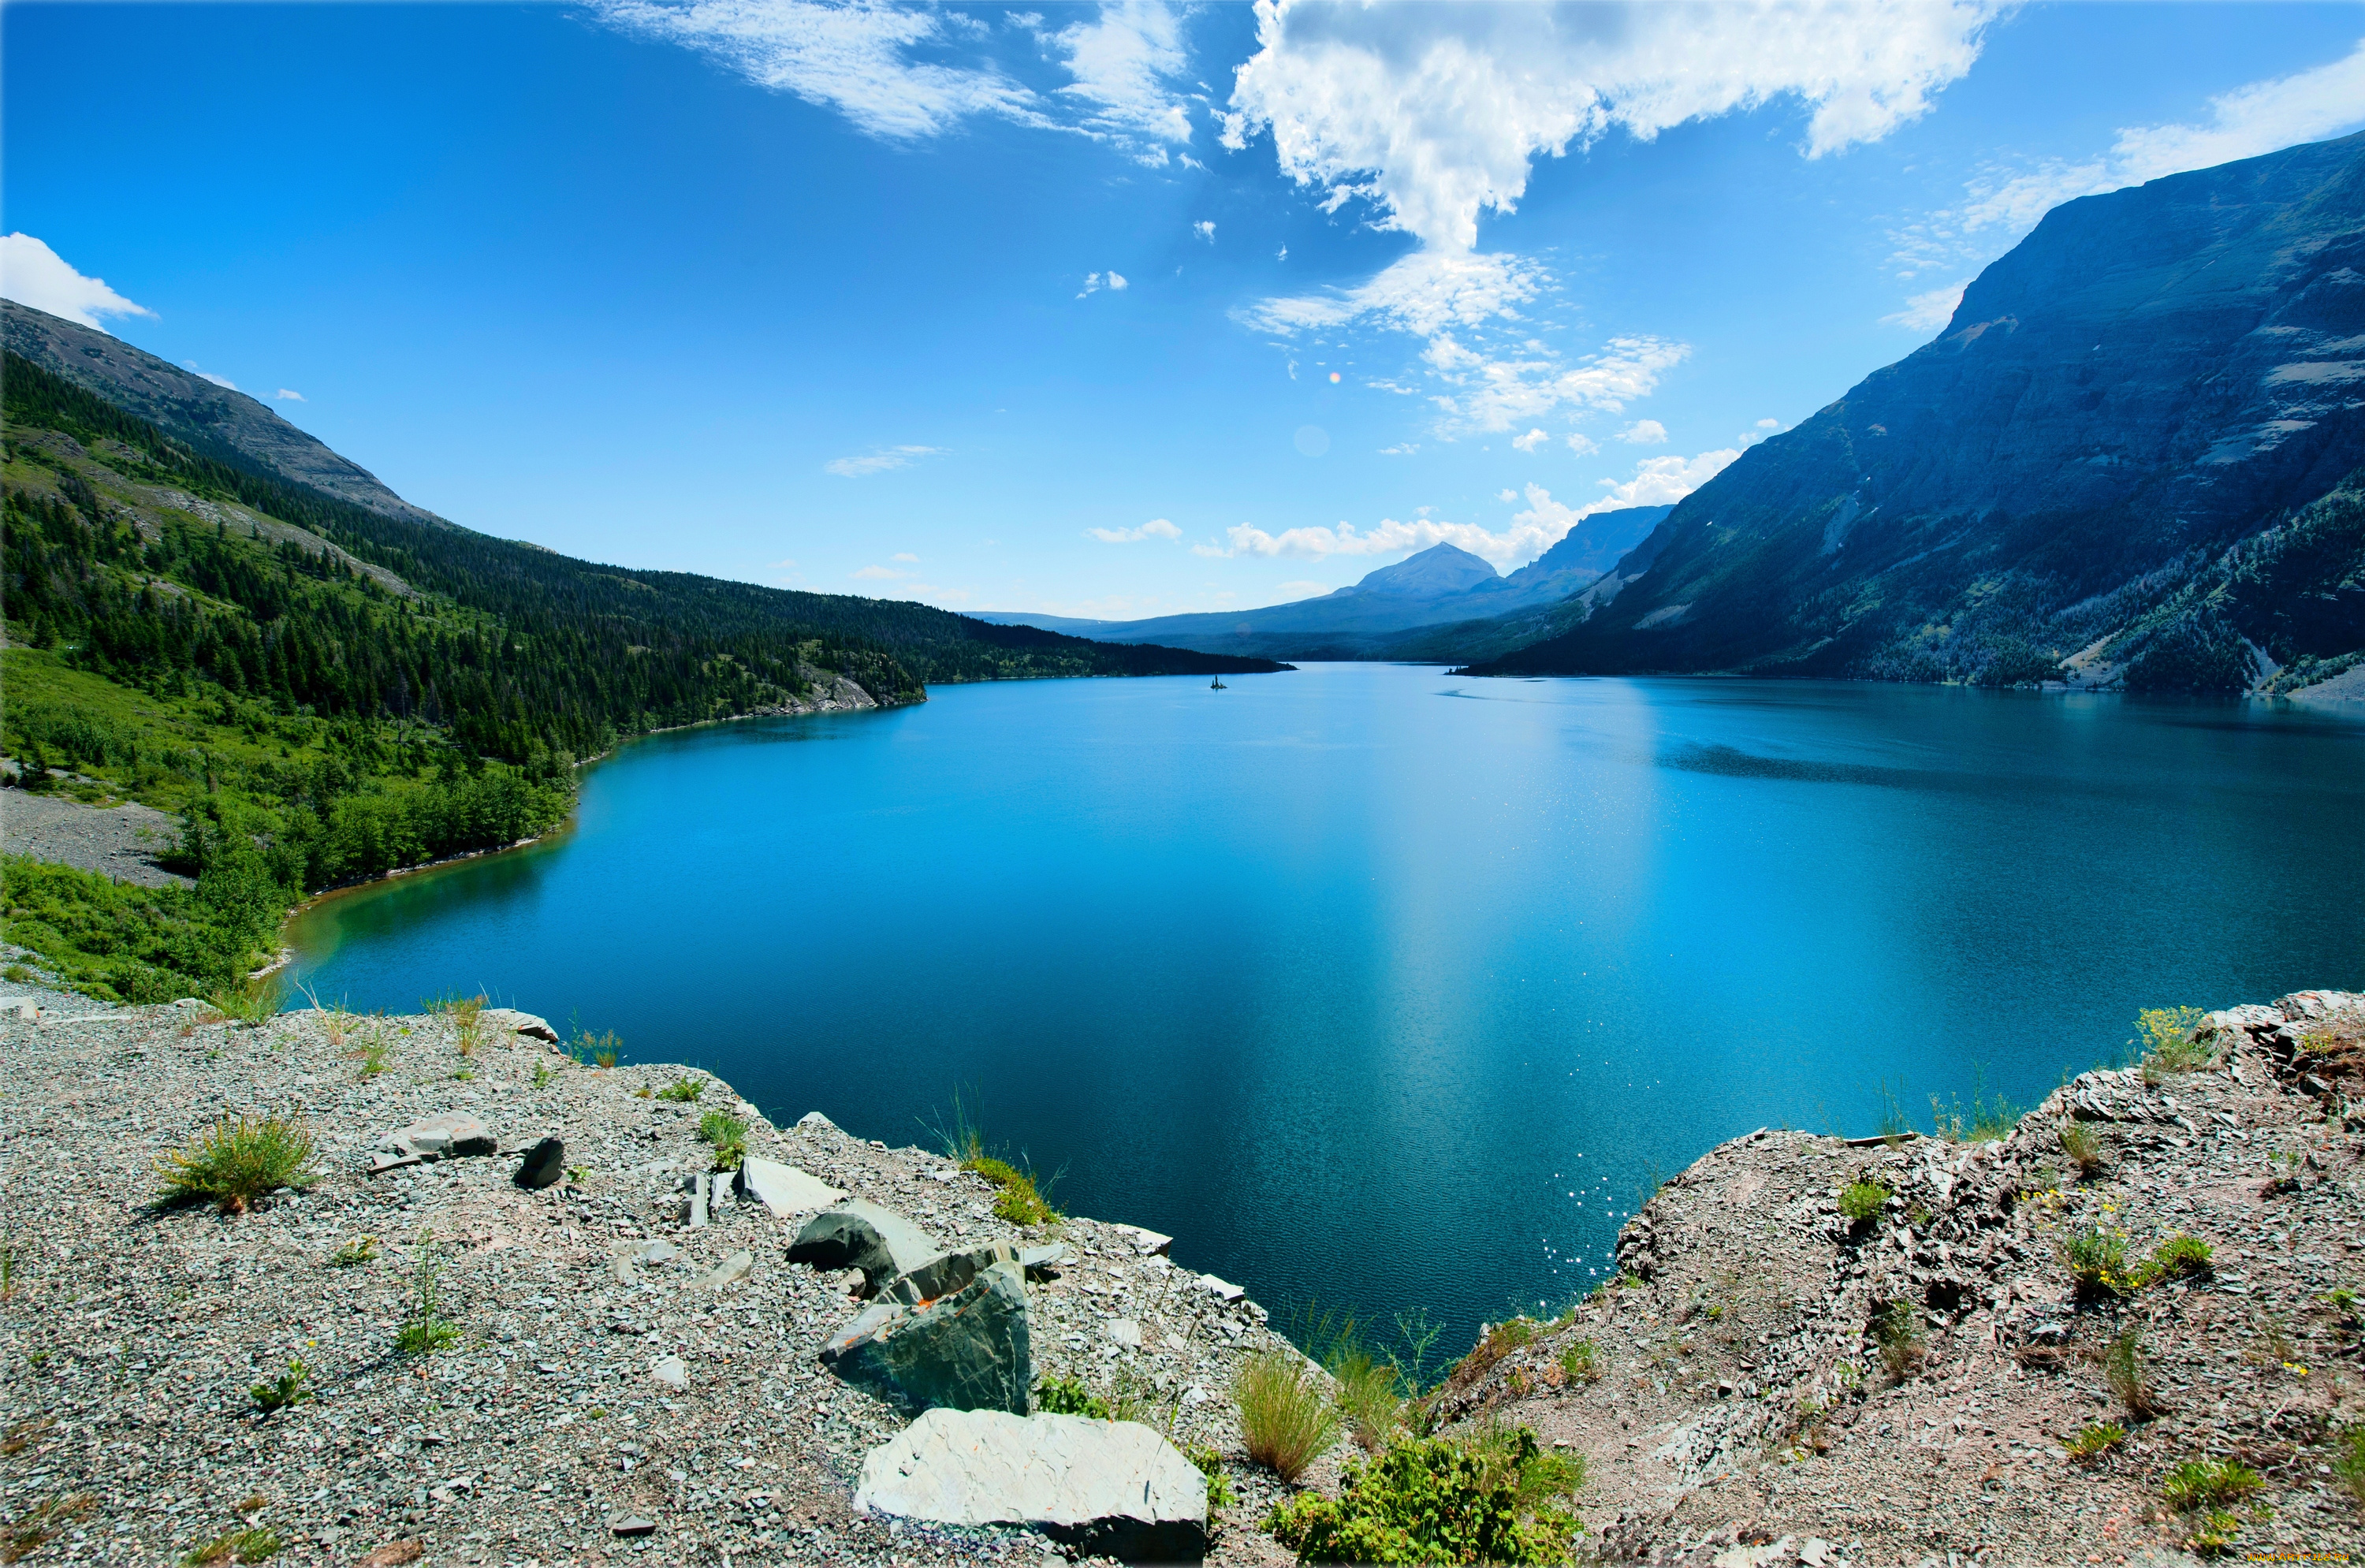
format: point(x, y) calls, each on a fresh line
point(1222, 1290)
point(784, 1189)
point(813, 1121)
point(1125, 1331)
point(730, 1271)
point(1111, 1488)
point(511, 1020)
point(1149, 1243)
point(671, 1370)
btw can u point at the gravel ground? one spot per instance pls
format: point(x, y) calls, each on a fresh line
point(91, 838)
point(1742, 1413)
point(132, 1335)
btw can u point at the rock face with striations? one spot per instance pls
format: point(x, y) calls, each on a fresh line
point(968, 1349)
point(2149, 377)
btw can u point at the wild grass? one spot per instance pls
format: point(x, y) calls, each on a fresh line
point(2096, 1259)
point(353, 1253)
point(293, 1386)
point(2348, 1463)
point(249, 1000)
point(255, 1544)
point(2208, 1483)
point(1287, 1420)
point(542, 1075)
point(2092, 1440)
point(1024, 1195)
point(2165, 1044)
point(2084, 1149)
point(1861, 1198)
point(2180, 1257)
point(602, 1050)
point(1371, 1387)
point(427, 1330)
point(1987, 1121)
point(728, 1135)
point(237, 1160)
point(2127, 1370)
point(40, 1523)
point(8, 1280)
point(683, 1090)
point(465, 1015)
point(1580, 1362)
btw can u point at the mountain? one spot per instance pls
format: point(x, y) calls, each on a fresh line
point(1391, 608)
point(2150, 379)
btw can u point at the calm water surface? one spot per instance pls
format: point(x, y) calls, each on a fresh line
point(1385, 989)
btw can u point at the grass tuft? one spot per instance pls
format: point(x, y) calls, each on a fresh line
point(2165, 1040)
point(1862, 1199)
point(1024, 1198)
point(2208, 1483)
point(1897, 1330)
point(2084, 1149)
point(2125, 1369)
point(427, 1330)
point(353, 1253)
point(728, 1135)
point(256, 1544)
point(2094, 1439)
point(293, 1386)
point(1581, 1362)
point(237, 1160)
point(683, 1090)
point(2348, 1463)
point(1287, 1419)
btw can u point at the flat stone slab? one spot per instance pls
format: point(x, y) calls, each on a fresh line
point(452, 1134)
point(1149, 1243)
point(859, 1234)
point(1104, 1488)
point(517, 1023)
point(784, 1189)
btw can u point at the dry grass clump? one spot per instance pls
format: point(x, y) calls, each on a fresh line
point(1897, 1330)
point(2084, 1149)
point(1287, 1419)
point(239, 1160)
point(2125, 1370)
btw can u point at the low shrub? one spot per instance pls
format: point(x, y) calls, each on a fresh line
point(1496, 1499)
point(359, 1250)
point(293, 1386)
point(728, 1135)
point(239, 1160)
point(1897, 1330)
point(1862, 1199)
point(1287, 1419)
point(2165, 1039)
point(1371, 1393)
point(2208, 1483)
point(682, 1091)
point(1209, 1461)
point(2180, 1257)
point(2095, 1438)
point(2096, 1259)
point(1022, 1200)
point(1068, 1396)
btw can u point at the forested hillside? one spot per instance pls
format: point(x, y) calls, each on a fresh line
point(323, 690)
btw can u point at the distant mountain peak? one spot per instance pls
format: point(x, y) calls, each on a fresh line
point(1438, 572)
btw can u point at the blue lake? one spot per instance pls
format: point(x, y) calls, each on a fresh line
point(1384, 989)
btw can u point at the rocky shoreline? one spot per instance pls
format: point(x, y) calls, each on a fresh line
point(641, 1366)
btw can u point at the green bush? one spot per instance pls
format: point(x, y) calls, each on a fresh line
point(1897, 1330)
point(121, 943)
point(2098, 1262)
point(1862, 1199)
point(2180, 1256)
point(1209, 1462)
point(237, 1160)
point(1068, 1396)
point(2165, 1038)
point(1497, 1499)
point(2084, 1149)
point(427, 1330)
point(1581, 1362)
point(1287, 1420)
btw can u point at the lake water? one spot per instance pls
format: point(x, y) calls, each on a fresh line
point(1385, 989)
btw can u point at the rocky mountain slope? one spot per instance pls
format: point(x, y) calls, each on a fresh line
point(2152, 377)
point(1393, 607)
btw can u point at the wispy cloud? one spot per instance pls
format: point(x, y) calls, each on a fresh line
point(2004, 202)
point(1095, 281)
point(1205, 230)
point(287, 395)
point(880, 460)
point(1124, 64)
point(31, 274)
point(1644, 433)
point(191, 366)
point(1529, 442)
point(1156, 528)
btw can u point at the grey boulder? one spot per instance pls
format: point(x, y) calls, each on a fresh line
point(965, 1350)
point(517, 1023)
point(452, 1134)
point(543, 1164)
point(943, 1276)
point(859, 1234)
point(1102, 1488)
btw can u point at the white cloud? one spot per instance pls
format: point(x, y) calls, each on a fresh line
point(2001, 205)
point(1499, 394)
point(1925, 312)
point(1156, 528)
point(1433, 114)
point(1769, 424)
point(1659, 480)
point(31, 274)
point(1530, 441)
point(1402, 449)
point(1644, 433)
point(880, 460)
point(191, 366)
point(287, 395)
point(1116, 280)
point(1424, 293)
point(1095, 281)
point(880, 574)
point(1122, 63)
point(1302, 589)
point(1506, 495)
point(906, 556)
point(1583, 446)
point(903, 72)
point(1205, 230)
point(1284, 255)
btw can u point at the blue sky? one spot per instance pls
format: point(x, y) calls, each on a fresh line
point(828, 296)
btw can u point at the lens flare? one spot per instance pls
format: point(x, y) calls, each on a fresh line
point(1334, 379)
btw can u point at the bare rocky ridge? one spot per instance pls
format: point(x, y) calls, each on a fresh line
point(1744, 1415)
point(592, 1391)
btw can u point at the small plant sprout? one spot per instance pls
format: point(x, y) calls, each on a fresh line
point(353, 1253)
point(1897, 1330)
point(2084, 1149)
point(682, 1091)
point(2125, 1369)
point(542, 1075)
point(2282, 1171)
point(1861, 1198)
point(2094, 1439)
point(239, 1160)
point(728, 1135)
point(293, 1386)
point(427, 1330)
point(467, 1021)
point(1209, 1462)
